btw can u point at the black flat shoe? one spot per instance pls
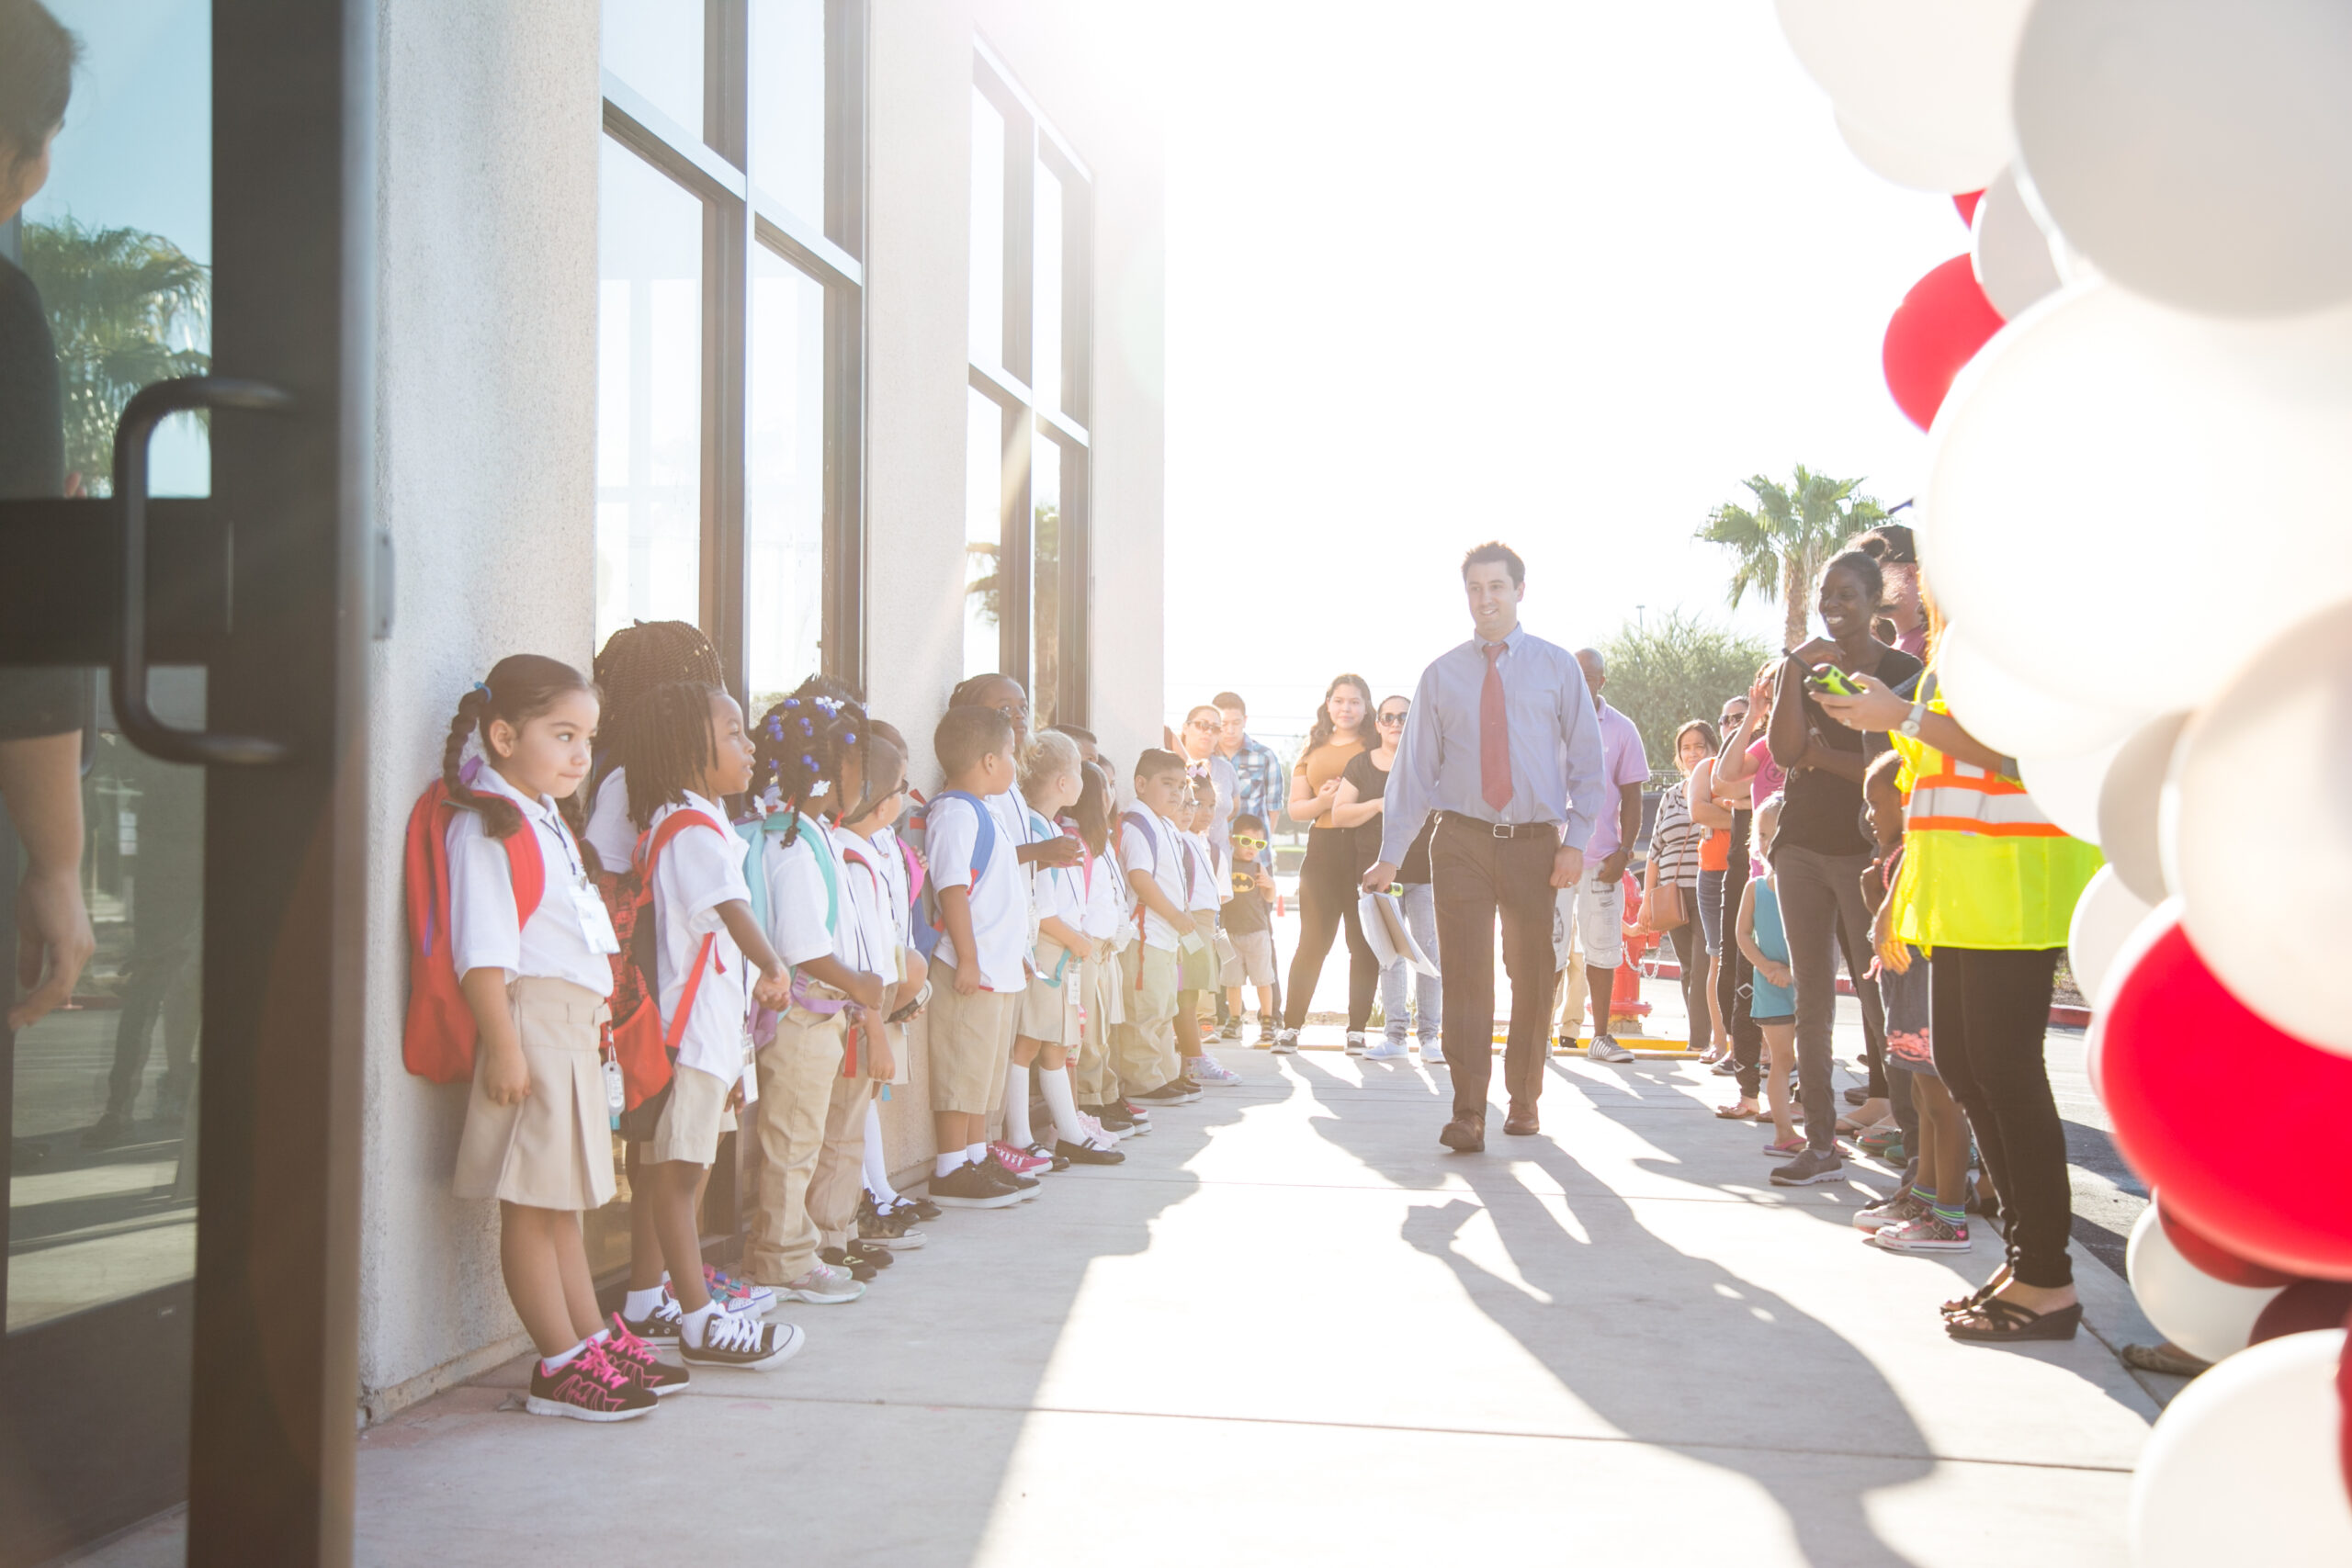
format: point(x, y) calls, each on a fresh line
point(1997, 1321)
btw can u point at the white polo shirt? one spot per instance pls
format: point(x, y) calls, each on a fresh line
point(1000, 902)
point(797, 902)
point(1152, 846)
point(553, 944)
point(1202, 857)
point(697, 872)
point(610, 832)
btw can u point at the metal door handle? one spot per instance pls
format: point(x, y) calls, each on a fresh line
point(149, 407)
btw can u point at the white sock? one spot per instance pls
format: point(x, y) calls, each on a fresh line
point(557, 1363)
point(975, 1153)
point(602, 1337)
point(1016, 1107)
point(877, 1165)
point(696, 1328)
point(638, 1306)
point(949, 1164)
point(1067, 1126)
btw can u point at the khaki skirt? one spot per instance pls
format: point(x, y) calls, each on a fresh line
point(1049, 1007)
point(555, 1150)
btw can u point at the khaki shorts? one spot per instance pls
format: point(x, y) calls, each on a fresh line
point(1049, 1007)
point(555, 1149)
point(1253, 958)
point(1148, 983)
point(692, 1119)
point(971, 1037)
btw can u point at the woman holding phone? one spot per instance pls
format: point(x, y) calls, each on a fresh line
point(1820, 854)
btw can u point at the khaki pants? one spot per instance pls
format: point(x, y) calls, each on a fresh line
point(1092, 1078)
point(796, 1074)
point(1143, 1049)
point(840, 1177)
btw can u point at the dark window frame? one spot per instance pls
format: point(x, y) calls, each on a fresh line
point(1008, 381)
point(715, 166)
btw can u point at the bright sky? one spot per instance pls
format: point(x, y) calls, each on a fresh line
point(1559, 271)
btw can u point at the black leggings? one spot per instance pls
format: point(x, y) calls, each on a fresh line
point(1738, 975)
point(1327, 897)
point(1691, 951)
point(1988, 1010)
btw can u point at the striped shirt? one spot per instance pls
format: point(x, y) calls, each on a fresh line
point(1675, 840)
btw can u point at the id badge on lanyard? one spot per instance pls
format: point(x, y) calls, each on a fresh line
point(595, 920)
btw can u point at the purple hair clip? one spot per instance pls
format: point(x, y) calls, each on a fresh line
point(792, 703)
point(807, 761)
point(849, 737)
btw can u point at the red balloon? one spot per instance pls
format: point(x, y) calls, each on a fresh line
point(2210, 1256)
point(1938, 328)
point(1966, 201)
point(2240, 1125)
point(2302, 1308)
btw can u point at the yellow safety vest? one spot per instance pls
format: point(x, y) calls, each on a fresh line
point(1982, 866)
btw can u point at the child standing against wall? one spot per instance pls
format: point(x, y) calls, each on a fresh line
point(1250, 925)
point(1108, 927)
point(1773, 1006)
point(1205, 893)
point(1151, 851)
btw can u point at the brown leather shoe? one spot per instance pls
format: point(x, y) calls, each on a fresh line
point(1522, 1123)
point(1467, 1133)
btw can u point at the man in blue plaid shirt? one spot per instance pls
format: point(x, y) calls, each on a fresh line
point(1262, 791)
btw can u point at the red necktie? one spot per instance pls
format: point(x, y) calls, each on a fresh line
point(1494, 734)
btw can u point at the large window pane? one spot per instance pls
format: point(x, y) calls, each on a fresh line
point(1045, 320)
point(983, 532)
point(119, 241)
point(788, 104)
point(656, 47)
point(1045, 578)
point(649, 397)
point(784, 489)
point(987, 231)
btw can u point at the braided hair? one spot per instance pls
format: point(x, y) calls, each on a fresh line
point(799, 745)
point(666, 748)
point(639, 657)
point(521, 687)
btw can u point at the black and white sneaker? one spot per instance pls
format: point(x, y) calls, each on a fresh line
point(922, 1209)
point(1172, 1092)
point(998, 1171)
point(1286, 1043)
point(858, 1267)
point(661, 1326)
point(746, 1344)
point(1355, 1043)
point(1811, 1167)
point(895, 1230)
point(971, 1186)
point(1087, 1154)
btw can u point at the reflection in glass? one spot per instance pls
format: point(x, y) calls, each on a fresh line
point(649, 397)
point(783, 482)
point(656, 46)
point(988, 233)
point(1045, 320)
point(120, 241)
point(984, 488)
point(788, 66)
point(1045, 578)
point(102, 1184)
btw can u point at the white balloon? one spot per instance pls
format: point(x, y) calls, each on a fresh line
point(2066, 785)
point(2265, 762)
point(2196, 151)
point(2105, 917)
point(1931, 76)
point(2014, 716)
point(2242, 1466)
point(2209, 1318)
point(2128, 803)
point(1916, 165)
point(2183, 475)
point(2009, 251)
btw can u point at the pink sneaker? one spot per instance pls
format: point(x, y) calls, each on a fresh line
point(1021, 1162)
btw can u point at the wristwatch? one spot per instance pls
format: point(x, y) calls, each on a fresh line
point(1911, 721)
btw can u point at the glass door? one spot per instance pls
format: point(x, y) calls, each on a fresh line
point(178, 584)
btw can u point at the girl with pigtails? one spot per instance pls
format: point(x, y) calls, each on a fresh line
point(809, 759)
point(535, 980)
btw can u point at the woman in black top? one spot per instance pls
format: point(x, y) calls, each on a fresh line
point(1362, 803)
point(1819, 852)
point(1327, 882)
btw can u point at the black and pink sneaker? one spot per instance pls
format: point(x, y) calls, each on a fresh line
point(589, 1387)
point(639, 1359)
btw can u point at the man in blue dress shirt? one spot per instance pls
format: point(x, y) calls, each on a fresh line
point(1504, 746)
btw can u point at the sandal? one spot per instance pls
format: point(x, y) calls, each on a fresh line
point(1786, 1149)
point(1994, 1321)
point(1983, 1292)
point(1741, 1110)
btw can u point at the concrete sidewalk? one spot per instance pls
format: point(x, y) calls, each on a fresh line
point(1290, 1328)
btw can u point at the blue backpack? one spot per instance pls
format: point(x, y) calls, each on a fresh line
point(931, 930)
point(755, 833)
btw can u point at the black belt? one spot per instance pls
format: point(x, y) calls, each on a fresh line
point(1486, 829)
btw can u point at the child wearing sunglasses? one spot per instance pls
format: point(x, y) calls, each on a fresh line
point(1248, 922)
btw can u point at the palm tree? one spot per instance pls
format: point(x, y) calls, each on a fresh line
point(1793, 529)
point(128, 308)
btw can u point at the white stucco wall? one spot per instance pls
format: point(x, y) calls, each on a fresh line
point(488, 146)
point(486, 376)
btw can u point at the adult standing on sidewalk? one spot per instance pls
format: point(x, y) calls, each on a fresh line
point(1256, 767)
point(1820, 854)
point(1203, 758)
point(1358, 806)
point(1504, 745)
point(1592, 913)
point(1327, 896)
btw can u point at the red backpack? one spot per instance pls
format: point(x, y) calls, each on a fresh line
point(438, 1041)
point(642, 1045)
